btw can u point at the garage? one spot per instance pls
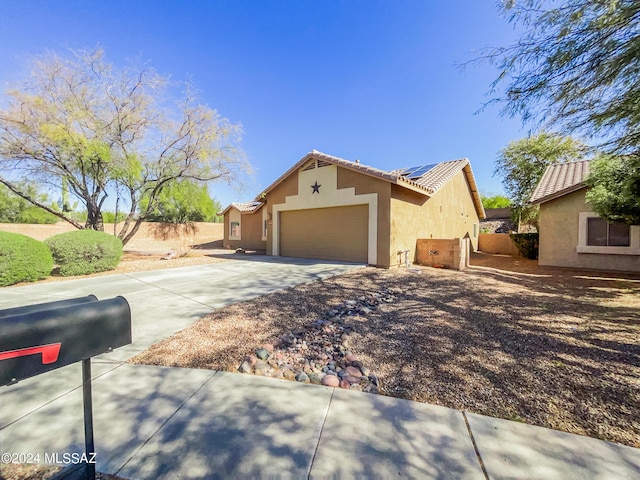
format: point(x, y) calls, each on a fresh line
point(336, 233)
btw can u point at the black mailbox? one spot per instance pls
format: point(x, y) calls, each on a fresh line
point(39, 338)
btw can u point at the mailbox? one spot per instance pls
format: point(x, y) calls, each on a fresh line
point(39, 338)
point(10, 312)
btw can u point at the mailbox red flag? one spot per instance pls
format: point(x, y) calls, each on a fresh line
point(49, 352)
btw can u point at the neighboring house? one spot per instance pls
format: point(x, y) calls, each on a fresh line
point(245, 226)
point(328, 208)
point(571, 234)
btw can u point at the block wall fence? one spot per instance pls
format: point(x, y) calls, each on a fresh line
point(151, 236)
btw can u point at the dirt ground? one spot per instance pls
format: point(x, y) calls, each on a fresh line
point(505, 338)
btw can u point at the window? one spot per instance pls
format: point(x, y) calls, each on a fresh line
point(234, 230)
point(596, 235)
point(604, 234)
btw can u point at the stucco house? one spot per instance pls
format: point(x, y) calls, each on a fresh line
point(329, 208)
point(571, 234)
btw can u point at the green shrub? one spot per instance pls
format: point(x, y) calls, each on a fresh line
point(527, 244)
point(85, 251)
point(23, 259)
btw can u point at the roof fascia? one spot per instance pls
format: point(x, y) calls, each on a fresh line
point(560, 193)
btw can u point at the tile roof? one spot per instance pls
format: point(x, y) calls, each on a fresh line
point(248, 207)
point(560, 179)
point(429, 183)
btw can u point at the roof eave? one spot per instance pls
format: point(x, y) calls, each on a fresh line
point(356, 167)
point(558, 194)
point(475, 193)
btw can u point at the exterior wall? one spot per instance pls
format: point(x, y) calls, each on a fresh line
point(152, 236)
point(559, 227)
point(449, 214)
point(338, 187)
point(286, 188)
point(499, 243)
point(452, 253)
point(364, 184)
point(250, 230)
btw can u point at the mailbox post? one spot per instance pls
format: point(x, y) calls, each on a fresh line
point(40, 338)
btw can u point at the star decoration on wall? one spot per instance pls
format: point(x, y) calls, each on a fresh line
point(316, 188)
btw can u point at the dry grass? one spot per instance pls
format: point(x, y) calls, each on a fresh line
point(552, 348)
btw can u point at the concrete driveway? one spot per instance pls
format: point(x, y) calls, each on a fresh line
point(165, 301)
point(162, 302)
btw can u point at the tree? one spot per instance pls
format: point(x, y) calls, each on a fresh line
point(495, 201)
point(576, 69)
point(522, 163)
point(15, 209)
point(183, 202)
point(109, 131)
point(614, 191)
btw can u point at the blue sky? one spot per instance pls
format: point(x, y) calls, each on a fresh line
point(373, 80)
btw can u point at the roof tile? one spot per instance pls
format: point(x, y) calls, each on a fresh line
point(560, 179)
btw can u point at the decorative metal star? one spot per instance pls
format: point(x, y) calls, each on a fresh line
point(316, 188)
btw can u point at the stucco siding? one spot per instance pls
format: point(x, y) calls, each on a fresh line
point(559, 229)
point(250, 230)
point(450, 213)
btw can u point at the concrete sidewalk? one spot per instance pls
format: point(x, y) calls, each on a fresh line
point(158, 422)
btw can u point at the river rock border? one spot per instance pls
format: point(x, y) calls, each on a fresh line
point(320, 353)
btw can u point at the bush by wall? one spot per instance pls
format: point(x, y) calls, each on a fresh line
point(85, 251)
point(23, 259)
point(527, 244)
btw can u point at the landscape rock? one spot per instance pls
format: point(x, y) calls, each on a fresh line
point(262, 353)
point(245, 367)
point(331, 381)
point(321, 352)
point(302, 377)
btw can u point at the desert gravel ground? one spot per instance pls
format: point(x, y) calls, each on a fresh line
point(549, 347)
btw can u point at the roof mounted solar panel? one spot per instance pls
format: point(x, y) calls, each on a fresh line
point(413, 173)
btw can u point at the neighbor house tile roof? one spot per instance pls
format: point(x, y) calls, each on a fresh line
point(560, 179)
point(248, 207)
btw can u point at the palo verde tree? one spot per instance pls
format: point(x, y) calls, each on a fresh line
point(522, 163)
point(108, 131)
point(576, 69)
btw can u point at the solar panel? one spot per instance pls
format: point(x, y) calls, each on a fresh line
point(414, 173)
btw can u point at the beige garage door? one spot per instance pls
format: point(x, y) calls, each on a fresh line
point(337, 233)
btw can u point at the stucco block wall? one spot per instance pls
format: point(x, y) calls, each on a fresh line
point(250, 230)
point(152, 236)
point(499, 243)
point(449, 214)
point(446, 253)
point(559, 225)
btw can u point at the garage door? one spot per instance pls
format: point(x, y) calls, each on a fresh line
point(337, 233)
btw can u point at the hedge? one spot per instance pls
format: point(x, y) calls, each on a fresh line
point(23, 259)
point(85, 251)
point(527, 244)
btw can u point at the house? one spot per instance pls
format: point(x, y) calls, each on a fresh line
point(329, 208)
point(571, 234)
point(245, 226)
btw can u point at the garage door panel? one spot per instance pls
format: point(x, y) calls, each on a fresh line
point(337, 233)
